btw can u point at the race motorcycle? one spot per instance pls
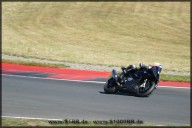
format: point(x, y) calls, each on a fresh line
point(140, 81)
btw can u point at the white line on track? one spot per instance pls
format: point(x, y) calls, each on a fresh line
point(31, 118)
point(54, 79)
point(99, 82)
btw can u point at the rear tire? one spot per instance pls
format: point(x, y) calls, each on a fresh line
point(110, 86)
point(148, 91)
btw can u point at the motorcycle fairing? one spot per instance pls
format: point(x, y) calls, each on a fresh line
point(131, 83)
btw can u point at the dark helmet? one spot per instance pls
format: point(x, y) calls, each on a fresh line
point(131, 67)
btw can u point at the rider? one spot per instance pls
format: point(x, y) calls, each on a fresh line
point(131, 69)
point(126, 71)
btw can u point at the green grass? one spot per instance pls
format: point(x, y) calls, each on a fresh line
point(99, 33)
point(33, 63)
point(23, 122)
point(166, 77)
point(34, 122)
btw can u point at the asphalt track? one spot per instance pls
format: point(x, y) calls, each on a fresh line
point(60, 99)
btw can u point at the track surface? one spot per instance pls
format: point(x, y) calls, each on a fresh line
point(41, 98)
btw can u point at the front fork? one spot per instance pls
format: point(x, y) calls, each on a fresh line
point(144, 83)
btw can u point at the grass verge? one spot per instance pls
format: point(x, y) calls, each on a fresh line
point(34, 122)
point(32, 63)
point(178, 78)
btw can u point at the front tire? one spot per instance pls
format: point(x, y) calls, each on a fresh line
point(110, 86)
point(148, 91)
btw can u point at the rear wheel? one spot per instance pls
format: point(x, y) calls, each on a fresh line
point(110, 86)
point(147, 90)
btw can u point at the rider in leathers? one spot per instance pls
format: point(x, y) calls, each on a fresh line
point(130, 69)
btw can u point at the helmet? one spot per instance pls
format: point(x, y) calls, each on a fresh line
point(158, 65)
point(133, 66)
point(130, 67)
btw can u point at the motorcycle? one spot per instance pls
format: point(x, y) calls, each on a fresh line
point(140, 81)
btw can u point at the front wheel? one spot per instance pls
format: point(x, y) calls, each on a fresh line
point(147, 90)
point(110, 86)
